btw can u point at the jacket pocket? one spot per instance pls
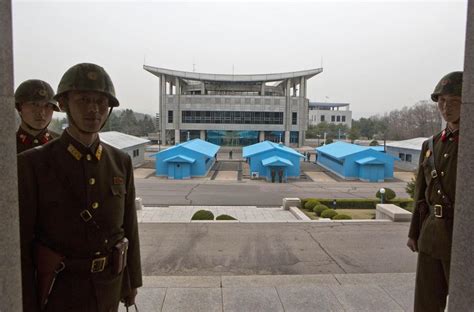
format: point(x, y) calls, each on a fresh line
point(118, 190)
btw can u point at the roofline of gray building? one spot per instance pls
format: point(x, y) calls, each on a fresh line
point(326, 104)
point(232, 78)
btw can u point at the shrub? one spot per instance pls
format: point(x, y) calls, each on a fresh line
point(328, 213)
point(311, 203)
point(342, 217)
point(203, 215)
point(352, 203)
point(319, 208)
point(225, 217)
point(373, 143)
point(388, 196)
point(410, 187)
point(304, 201)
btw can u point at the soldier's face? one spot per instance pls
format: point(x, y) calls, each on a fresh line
point(450, 107)
point(89, 109)
point(37, 114)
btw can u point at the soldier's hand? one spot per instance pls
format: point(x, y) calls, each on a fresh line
point(130, 299)
point(412, 244)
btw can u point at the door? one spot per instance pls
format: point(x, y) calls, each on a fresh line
point(178, 171)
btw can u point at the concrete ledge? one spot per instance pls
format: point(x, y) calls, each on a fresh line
point(299, 214)
point(392, 212)
point(291, 202)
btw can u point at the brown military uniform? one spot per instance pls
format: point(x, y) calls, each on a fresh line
point(58, 182)
point(25, 141)
point(435, 237)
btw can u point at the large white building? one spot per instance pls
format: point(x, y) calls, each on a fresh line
point(336, 113)
point(233, 109)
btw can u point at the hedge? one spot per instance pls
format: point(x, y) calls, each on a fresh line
point(342, 217)
point(319, 208)
point(225, 217)
point(203, 215)
point(362, 203)
point(328, 213)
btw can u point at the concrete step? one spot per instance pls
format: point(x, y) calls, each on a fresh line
point(319, 292)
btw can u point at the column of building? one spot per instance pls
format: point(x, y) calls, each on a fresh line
point(163, 111)
point(177, 110)
point(302, 112)
point(287, 119)
point(461, 285)
point(10, 268)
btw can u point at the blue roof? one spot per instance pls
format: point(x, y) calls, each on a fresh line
point(264, 146)
point(369, 160)
point(200, 146)
point(341, 150)
point(276, 161)
point(180, 159)
point(378, 148)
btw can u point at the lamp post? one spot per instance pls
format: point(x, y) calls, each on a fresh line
point(188, 136)
point(382, 192)
point(280, 138)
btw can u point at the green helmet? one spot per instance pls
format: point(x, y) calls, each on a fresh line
point(87, 77)
point(35, 90)
point(450, 84)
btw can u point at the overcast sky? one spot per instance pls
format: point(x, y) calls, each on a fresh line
point(376, 55)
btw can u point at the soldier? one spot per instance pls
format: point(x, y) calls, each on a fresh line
point(78, 223)
point(432, 222)
point(35, 105)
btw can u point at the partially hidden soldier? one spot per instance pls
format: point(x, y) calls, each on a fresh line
point(35, 104)
point(78, 223)
point(431, 226)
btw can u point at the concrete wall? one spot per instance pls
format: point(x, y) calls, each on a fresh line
point(314, 116)
point(403, 164)
point(136, 160)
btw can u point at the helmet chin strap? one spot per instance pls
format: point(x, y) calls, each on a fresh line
point(85, 131)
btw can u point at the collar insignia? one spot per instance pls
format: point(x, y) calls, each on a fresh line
point(74, 152)
point(118, 180)
point(98, 153)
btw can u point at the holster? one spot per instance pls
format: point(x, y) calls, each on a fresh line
point(119, 256)
point(48, 265)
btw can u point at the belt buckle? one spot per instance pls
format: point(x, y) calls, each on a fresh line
point(85, 215)
point(98, 264)
point(434, 174)
point(438, 211)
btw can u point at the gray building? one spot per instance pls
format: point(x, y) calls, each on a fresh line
point(407, 152)
point(132, 145)
point(336, 113)
point(233, 109)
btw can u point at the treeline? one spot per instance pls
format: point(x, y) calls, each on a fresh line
point(125, 121)
point(420, 120)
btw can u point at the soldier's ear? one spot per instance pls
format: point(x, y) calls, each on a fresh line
point(63, 105)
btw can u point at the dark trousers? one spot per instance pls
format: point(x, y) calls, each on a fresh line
point(432, 280)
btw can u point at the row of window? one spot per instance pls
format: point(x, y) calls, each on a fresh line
point(404, 157)
point(228, 100)
point(334, 118)
point(231, 117)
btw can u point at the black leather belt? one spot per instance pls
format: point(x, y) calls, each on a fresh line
point(441, 211)
point(94, 265)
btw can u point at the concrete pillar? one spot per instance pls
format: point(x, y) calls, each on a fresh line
point(287, 138)
point(10, 264)
point(262, 90)
point(461, 286)
point(287, 117)
point(203, 135)
point(261, 136)
point(177, 98)
point(303, 87)
point(177, 138)
point(163, 111)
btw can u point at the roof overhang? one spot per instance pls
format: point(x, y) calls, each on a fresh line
point(232, 78)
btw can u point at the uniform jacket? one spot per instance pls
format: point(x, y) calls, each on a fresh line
point(435, 236)
point(25, 141)
point(57, 182)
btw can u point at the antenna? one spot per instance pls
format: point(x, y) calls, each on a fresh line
point(194, 66)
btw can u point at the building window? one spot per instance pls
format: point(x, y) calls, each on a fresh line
point(322, 118)
point(343, 118)
point(294, 118)
point(408, 157)
point(338, 118)
point(401, 156)
point(232, 117)
point(333, 118)
point(170, 116)
point(136, 153)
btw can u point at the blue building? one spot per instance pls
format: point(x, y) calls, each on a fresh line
point(190, 159)
point(275, 162)
point(355, 162)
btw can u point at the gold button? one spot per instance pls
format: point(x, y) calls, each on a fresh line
point(95, 205)
point(35, 141)
point(451, 139)
point(91, 181)
point(89, 157)
point(445, 155)
point(442, 173)
point(106, 241)
point(439, 192)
